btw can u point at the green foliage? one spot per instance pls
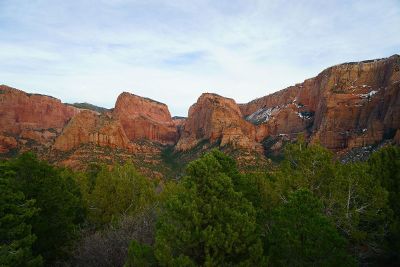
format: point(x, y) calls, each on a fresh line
point(206, 222)
point(300, 235)
point(306, 166)
point(384, 165)
point(119, 191)
point(140, 255)
point(57, 198)
point(352, 198)
point(359, 206)
point(259, 189)
point(16, 238)
point(309, 210)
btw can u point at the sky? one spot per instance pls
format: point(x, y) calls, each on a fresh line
point(172, 51)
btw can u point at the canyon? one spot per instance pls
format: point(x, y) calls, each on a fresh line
point(346, 106)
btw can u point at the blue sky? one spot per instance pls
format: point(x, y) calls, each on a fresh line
point(172, 51)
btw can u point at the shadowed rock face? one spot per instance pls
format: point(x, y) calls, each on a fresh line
point(143, 118)
point(345, 106)
point(216, 118)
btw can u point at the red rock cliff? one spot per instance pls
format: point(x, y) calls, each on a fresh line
point(91, 127)
point(216, 118)
point(34, 117)
point(345, 106)
point(143, 118)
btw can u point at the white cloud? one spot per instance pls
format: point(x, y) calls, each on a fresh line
point(173, 51)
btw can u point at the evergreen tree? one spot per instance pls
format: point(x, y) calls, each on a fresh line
point(16, 238)
point(300, 235)
point(119, 191)
point(140, 255)
point(207, 222)
point(58, 200)
point(384, 166)
point(352, 198)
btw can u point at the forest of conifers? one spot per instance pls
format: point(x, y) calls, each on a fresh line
point(307, 210)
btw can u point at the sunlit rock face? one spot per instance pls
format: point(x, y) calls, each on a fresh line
point(143, 118)
point(30, 117)
point(91, 127)
point(217, 119)
point(345, 106)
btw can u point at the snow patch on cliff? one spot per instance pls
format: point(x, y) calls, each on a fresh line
point(368, 95)
point(262, 115)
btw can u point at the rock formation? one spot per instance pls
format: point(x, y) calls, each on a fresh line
point(92, 127)
point(345, 106)
point(217, 119)
point(143, 118)
point(35, 117)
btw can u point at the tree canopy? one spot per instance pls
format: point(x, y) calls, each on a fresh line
point(207, 222)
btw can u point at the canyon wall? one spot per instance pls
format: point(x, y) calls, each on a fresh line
point(345, 106)
point(144, 118)
point(31, 120)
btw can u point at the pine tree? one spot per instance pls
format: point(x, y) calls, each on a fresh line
point(207, 222)
point(59, 203)
point(300, 235)
point(384, 166)
point(16, 238)
point(120, 191)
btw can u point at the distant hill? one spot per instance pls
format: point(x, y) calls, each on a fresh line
point(89, 106)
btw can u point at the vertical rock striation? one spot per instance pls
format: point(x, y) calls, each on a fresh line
point(143, 118)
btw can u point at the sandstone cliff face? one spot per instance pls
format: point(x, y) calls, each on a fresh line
point(25, 117)
point(29, 120)
point(92, 127)
point(19, 110)
point(345, 106)
point(144, 118)
point(216, 118)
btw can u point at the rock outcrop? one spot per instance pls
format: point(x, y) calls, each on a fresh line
point(19, 111)
point(46, 122)
point(92, 127)
point(7, 143)
point(143, 118)
point(345, 106)
point(30, 117)
point(217, 119)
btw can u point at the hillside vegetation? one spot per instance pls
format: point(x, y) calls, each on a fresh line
point(307, 210)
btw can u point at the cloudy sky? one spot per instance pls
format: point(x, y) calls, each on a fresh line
point(172, 51)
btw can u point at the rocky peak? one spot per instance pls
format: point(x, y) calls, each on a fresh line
point(144, 118)
point(216, 118)
point(135, 105)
